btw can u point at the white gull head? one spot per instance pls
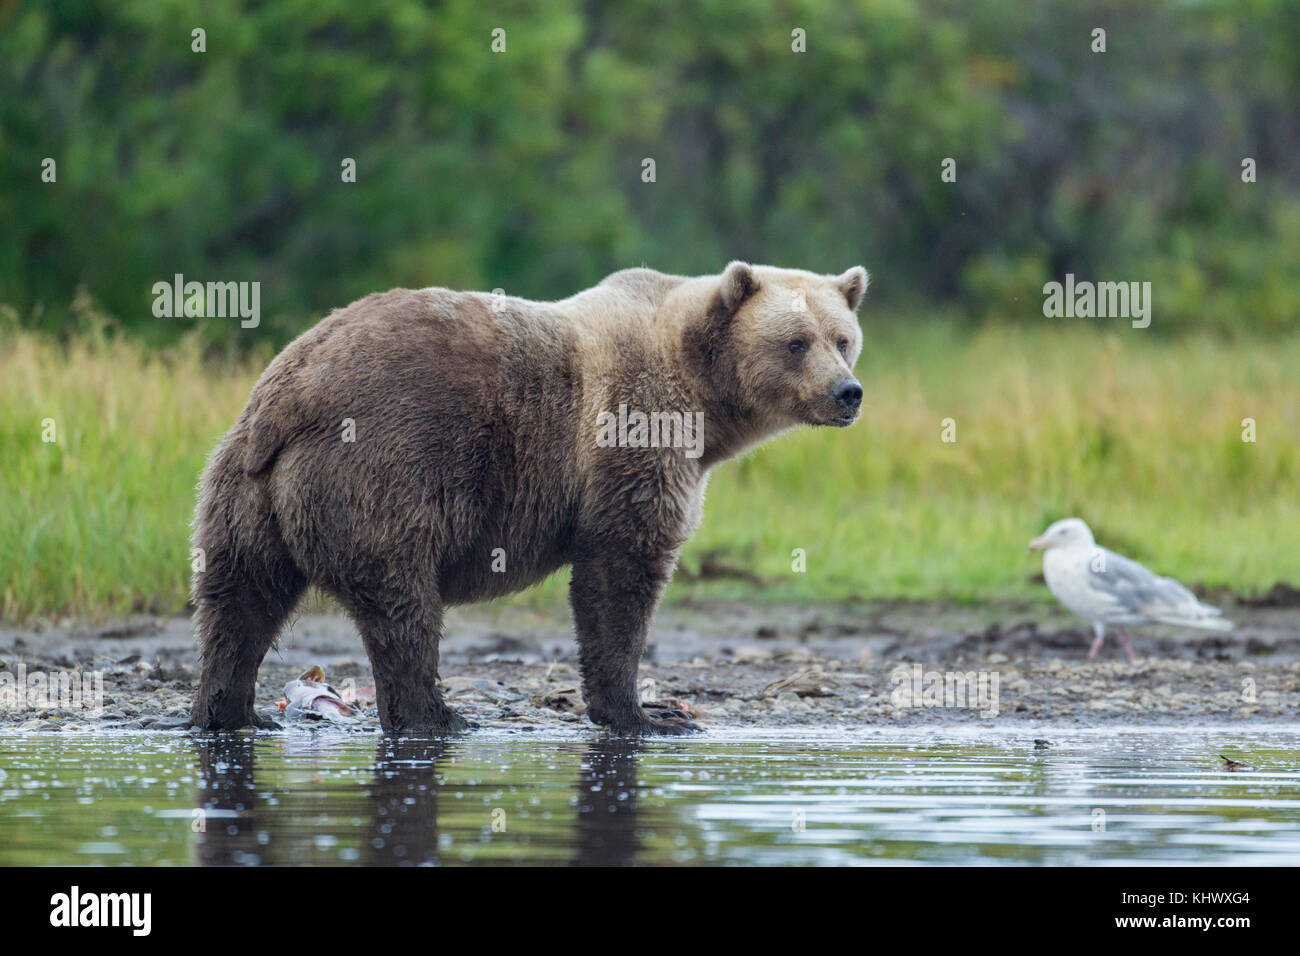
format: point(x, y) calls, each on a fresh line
point(1066, 533)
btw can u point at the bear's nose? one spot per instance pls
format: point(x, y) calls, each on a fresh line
point(847, 394)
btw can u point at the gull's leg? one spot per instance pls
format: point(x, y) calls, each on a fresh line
point(1128, 644)
point(1100, 630)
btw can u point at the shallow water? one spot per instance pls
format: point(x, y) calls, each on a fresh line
point(793, 797)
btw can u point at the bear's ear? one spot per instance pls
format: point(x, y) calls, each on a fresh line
point(738, 284)
point(854, 286)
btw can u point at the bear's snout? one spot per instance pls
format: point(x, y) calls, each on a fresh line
point(847, 394)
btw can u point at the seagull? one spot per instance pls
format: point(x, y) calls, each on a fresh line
point(1108, 588)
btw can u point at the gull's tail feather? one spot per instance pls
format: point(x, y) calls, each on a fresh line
point(1207, 623)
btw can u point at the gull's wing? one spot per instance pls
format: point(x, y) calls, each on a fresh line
point(1139, 592)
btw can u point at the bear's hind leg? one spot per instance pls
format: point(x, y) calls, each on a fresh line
point(401, 640)
point(239, 610)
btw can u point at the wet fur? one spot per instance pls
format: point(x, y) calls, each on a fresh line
point(475, 430)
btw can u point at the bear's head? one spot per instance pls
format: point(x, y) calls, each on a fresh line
point(779, 345)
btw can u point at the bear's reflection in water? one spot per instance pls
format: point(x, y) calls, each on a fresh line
point(395, 813)
point(226, 831)
point(606, 790)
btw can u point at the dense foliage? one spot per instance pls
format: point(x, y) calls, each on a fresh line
point(524, 169)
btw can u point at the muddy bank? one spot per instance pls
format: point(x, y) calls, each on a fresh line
point(880, 664)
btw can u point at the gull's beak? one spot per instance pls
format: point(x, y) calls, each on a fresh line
point(1038, 544)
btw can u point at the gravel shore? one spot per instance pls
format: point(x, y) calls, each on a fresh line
point(732, 665)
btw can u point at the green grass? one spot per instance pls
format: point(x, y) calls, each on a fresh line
point(1140, 436)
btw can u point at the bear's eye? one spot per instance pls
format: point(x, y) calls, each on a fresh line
point(797, 347)
point(843, 346)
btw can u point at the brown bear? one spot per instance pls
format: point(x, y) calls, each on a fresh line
point(426, 448)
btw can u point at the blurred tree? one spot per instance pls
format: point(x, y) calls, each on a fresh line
point(522, 168)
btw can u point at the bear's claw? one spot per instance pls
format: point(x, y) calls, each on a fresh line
point(665, 722)
point(673, 726)
point(444, 724)
point(220, 722)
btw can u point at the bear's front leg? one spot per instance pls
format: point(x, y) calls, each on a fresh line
point(614, 595)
